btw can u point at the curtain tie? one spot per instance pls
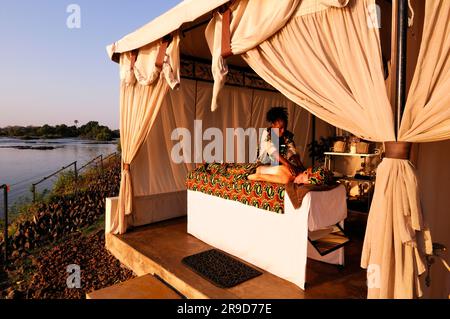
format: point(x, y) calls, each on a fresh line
point(226, 34)
point(397, 150)
point(126, 167)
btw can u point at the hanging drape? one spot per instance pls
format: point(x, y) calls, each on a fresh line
point(146, 76)
point(396, 210)
point(427, 112)
point(265, 16)
point(330, 63)
point(311, 62)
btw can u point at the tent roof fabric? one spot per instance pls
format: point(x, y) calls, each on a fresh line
point(172, 20)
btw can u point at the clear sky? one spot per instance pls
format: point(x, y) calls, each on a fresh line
point(50, 74)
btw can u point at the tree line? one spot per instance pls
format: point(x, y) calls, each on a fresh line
point(91, 130)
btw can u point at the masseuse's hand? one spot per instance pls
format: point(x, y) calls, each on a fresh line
point(286, 163)
point(298, 162)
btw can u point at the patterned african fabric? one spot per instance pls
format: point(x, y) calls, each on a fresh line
point(229, 181)
point(320, 176)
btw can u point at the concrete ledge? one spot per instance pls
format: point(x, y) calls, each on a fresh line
point(141, 264)
point(148, 209)
point(158, 249)
point(144, 287)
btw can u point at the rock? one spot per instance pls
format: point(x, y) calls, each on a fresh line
point(66, 214)
point(11, 295)
point(14, 294)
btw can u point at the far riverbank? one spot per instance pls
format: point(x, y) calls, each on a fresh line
point(23, 162)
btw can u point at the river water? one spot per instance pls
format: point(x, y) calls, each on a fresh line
point(21, 166)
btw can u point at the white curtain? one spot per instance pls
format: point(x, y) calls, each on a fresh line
point(330, 63)
point(311, 62)
point(268, 16)
point(142, 90)
point(154, 172)
point(427, 112)
point(426, 119)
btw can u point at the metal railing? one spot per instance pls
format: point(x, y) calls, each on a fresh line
point(75, 170)
point(99, 160)
point(33, 186)
point(93, 161)
point(111, 156)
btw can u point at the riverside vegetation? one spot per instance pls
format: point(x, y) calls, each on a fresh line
point(91, 130)
point(67, 227)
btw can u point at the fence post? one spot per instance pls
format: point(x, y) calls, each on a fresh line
point(76, 176)
point(5, 236)
point(34, 192)
point(75, 171)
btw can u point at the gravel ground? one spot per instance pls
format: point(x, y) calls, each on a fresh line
point(44, 275)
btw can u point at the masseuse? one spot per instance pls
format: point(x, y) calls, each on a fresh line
point(280, 164)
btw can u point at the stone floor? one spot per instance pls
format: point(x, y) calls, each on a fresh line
point(158, 249)
point(144, 287)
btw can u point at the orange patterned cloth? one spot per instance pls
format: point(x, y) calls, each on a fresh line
point(320, 176)
point(229, 181)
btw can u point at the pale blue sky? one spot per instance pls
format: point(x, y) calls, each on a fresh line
point(51, 74)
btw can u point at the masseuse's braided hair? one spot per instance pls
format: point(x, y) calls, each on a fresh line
point(277, 113)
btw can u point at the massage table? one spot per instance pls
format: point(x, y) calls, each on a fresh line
point(277, 243)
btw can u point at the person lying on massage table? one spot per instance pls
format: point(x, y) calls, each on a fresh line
point(277, 166)
point(312, 176)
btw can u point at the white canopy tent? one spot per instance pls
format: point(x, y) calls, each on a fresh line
point(194, 97)
point(272, 39)
point(185, 12)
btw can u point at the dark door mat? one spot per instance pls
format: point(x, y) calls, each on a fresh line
point(220, 269)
